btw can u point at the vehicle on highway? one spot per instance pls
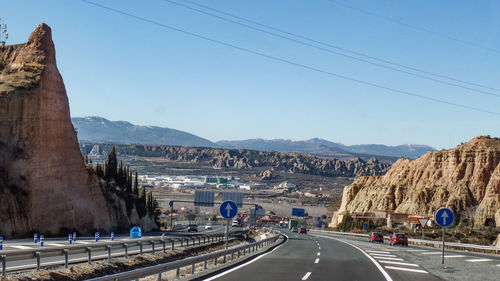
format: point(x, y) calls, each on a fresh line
point(376, 237)
point(303, 230)
point(399, 238)
point(295, 229)
point(192, 228)
point(208, 226)
point(236, 223)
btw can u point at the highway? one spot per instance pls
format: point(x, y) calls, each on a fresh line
point(323, 256)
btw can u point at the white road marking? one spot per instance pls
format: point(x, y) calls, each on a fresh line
point(454, 256)
point(380, 252)
point(319, 248)
point(380, 268)
point(406, 269)
point(391, 259)
point(384, 255)
point(415, 250)
point(498, 265)
point(318, 254)
point(400, 263)
point(21, 247)
point(306, 276)
point(478, 260)
point(317, 260)
point(432, 253)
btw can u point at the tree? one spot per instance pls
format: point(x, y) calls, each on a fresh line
point(142, 193)
point(135, 189)
point(111, 165)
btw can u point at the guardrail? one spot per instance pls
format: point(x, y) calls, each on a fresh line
point(158, 270)
point(429, 243)
point(109, 246)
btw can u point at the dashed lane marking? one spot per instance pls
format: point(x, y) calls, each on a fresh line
point(317, 260)
point(406, 269)
point(380, 252)
point(432, 253)
point(319, 248)
point(454, 256)
point(415, 250)
point(306, 276)
point(21, 247)
point(319, 254)
point(399, 263)
point(478, 260)
point(391, 259)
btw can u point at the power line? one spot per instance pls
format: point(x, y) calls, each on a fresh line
point(291, 62)
point(340, 48)
point(414, 26)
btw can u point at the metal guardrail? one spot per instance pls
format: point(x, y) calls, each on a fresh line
point(109, 246)
point(429, 243)
point(192, 261)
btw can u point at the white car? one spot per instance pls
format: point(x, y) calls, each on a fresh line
point(208, 226)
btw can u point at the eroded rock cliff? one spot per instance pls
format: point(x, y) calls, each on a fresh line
point(45, 186)
point(465, 179)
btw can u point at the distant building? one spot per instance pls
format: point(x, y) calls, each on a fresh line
point(245, 187)
point(286, 185)
point(222, 180)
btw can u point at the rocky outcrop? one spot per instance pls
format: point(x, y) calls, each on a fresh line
point(465, 179)
point(45, 186)
point(248, 159)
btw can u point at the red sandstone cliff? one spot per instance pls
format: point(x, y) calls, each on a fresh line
point(44, 184)
point(466, 179)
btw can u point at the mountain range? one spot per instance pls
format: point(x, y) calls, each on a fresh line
point(98, 129)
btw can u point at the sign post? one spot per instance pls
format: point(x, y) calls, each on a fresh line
point(423, 224)
point(35, 238)
point(444, 217)
point(70, 238)
point(228, 210)
point(1, 243)
point(112, 236)
point(74, 236)
point(41, 240)
point(171, 204)
point(97, 236)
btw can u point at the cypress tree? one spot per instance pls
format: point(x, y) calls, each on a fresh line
point(112, 164)
point(135, 189)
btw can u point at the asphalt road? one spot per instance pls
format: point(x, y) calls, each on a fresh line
point(311, 257)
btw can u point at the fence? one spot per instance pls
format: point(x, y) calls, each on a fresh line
point(191, 262)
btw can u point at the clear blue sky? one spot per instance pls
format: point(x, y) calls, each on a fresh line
point(121, 68)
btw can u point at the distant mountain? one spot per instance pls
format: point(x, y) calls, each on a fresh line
point(326, 148)
point(98, 129)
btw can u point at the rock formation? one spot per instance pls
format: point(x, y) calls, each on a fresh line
point(465, 179)
point(45, 186)
point(248, 159)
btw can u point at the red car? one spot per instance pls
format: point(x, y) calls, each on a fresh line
point(303, 230)
point(376, 237)
point(399, 238)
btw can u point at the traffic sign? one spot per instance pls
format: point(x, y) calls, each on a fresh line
point(444, 217)
point(423, 222)
point(228, 209)
point(298, 212)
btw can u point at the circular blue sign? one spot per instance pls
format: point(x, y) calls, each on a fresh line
point(444, 217)
point(228, 209)
point(135, 232)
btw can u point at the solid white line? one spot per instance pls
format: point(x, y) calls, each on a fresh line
point(306, 276)
point(242, 265)
point(21, 247)
point(317, 260)
point(392, 259)
point(400, 263)
point(478, 260)
point(432, 253)
point(318, 254)
point(406, 269)
point(380, 268)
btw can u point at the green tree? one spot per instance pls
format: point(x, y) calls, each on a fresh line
point(135, 188)
point(111, 165)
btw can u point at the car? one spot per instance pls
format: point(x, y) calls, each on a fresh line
point(192, 228)
point(295, 229)
point(399, 238)
point(208, 227)
point(376, 237)
point(236, 223)
point(303, 230)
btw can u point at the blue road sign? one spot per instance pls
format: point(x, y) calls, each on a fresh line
point(228, 209)
point(97, 236)
point(297, 212)
point(70, 238)
point(171, 203)
point(74, 236)
point(41, 240)
point(135, 232)
point(35, 238)
point(365, 226)
point(112, 236)
point(1, 243)
point(444, 217)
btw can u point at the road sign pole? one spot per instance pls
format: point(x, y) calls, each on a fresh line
point(422, 233)
point(227, 232)
point(442, 257)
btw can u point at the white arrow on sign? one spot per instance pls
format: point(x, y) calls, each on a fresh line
point(444, 216)
point(228, 209)
point(423, 222)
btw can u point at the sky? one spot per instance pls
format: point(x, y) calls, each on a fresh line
point(242, 83)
